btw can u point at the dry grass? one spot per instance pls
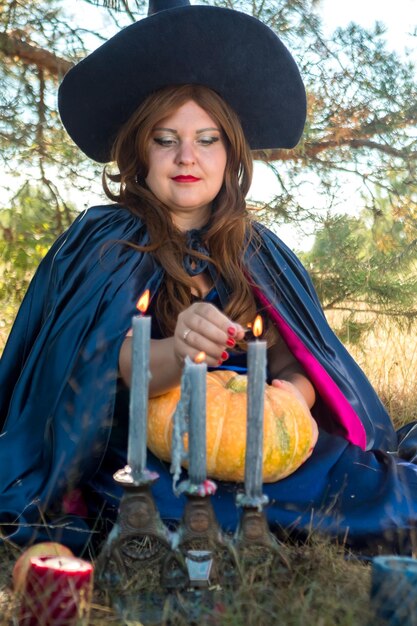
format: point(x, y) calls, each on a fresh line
point(388, 356)
point(322, 587)
point(317, 589)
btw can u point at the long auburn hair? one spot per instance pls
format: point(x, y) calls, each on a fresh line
point(229, 230)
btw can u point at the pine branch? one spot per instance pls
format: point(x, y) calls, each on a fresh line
point(117, 5)
point(379, 311)
point(29, 54)
point(310, 149)
point(355, 138)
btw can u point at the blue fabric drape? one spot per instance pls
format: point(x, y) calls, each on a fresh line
point(58, 384)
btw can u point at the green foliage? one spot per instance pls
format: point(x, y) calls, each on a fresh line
point(38, 44)
point(362, 264)
point(28, 227)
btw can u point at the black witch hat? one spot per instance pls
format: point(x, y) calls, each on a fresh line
point(233, 53)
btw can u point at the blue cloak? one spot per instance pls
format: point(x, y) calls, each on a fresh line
point(59, 381)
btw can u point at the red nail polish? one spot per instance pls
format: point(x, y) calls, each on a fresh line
point(219, 362)
point(224, 356)
point(230, 342)
point(231, 330)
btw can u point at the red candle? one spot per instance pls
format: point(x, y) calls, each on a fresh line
point(57, 592)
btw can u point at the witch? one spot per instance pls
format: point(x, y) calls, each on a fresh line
point(176, 103)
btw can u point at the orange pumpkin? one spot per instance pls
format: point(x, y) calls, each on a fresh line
point(290, 432)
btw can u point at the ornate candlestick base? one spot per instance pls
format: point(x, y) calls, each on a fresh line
point(257, 548)
point(132, 555)
point(209, 556)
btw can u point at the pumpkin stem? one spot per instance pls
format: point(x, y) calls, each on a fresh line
point(238, 383)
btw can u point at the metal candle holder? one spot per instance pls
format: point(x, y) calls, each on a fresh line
point(257, 548)
point(147, 569)
point(139, 541)
point(208, 554)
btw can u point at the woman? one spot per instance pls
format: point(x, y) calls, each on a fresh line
point(185, 155)
point(181, 230)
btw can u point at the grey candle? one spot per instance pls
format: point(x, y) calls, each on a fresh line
point(255, 417)
point(139, 390)
point(196, 373)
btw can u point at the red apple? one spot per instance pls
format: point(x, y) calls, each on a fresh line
point(46, 548)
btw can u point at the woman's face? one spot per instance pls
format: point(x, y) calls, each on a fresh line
point(187, 160)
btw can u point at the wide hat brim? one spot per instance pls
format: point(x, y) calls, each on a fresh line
point(233, 53)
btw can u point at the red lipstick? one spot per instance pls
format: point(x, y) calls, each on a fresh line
point(185, 179)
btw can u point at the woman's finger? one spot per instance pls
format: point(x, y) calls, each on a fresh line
point(203, 328)
point(206, 320)
point(199, 343)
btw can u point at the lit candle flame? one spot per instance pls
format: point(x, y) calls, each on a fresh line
point(143, 301)
point(257, 326)
point(201, 356)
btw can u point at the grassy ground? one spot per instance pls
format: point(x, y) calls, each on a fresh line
point(323, 586)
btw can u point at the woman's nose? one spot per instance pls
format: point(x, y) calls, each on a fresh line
point(186, 153)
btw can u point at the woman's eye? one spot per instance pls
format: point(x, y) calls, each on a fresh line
point(208, 141)
point(168, 142)
point(165, 142)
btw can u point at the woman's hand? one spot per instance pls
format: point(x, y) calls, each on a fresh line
point(297, 383)
point(286, 371)
point(295, 390)
point(200, 328)
point(288, 386)
point(203, 328)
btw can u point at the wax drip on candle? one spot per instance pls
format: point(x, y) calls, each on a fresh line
point(181, 420)
point(180, 429)
point(195, 432)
